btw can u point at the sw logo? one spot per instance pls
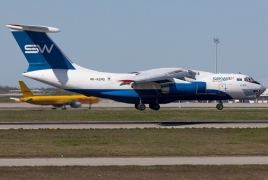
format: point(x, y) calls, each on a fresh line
point(35, 48)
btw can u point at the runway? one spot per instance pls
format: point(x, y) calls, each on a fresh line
point(131, 125)
point(112, 104)
point(153, 161)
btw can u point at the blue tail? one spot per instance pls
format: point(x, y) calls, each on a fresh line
point(40, 51)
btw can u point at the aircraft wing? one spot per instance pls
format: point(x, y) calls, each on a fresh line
point(159, 75)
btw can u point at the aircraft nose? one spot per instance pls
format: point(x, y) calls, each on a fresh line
point(262, 89)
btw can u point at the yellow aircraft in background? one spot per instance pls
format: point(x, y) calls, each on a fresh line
point(74, 101)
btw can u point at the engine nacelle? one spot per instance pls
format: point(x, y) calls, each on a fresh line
point(76, 104)
point(184, 88)
point(200, 86)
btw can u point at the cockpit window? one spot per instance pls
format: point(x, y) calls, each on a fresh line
point(251, 80)
point(248, 79)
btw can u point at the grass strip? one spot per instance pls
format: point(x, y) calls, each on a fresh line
point(133, 142)
point(130, 114)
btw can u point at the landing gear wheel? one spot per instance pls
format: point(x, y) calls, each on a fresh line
point(219, 106)
point(140, 107)
point(155, 107)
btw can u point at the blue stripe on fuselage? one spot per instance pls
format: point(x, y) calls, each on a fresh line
point(147, 96)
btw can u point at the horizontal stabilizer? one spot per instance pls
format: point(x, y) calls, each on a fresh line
point(15, 99)
point(34, 28)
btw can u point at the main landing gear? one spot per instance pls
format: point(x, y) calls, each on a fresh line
point(63, 107)
point(219, 106)
point(140, 106)
point(154, 106)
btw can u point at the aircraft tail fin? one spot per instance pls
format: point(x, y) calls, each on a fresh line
point(26, 92)
point(40, 51)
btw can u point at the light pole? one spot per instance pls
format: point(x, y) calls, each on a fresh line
point(216, 41)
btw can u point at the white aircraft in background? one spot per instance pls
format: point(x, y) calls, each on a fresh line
point(48, 64)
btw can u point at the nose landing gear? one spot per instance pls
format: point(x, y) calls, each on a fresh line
point(219, 106)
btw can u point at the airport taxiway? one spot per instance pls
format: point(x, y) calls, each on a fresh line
point(131, 125)
point(139, 161)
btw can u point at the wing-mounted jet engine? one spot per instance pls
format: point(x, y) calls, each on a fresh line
point(184, 88)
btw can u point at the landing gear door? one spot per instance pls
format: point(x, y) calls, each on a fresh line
point(222, 89)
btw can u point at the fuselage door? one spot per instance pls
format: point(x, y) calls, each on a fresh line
point(222, 89)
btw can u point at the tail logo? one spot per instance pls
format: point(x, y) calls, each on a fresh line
point(35, 48)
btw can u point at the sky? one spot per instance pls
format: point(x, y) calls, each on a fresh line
point(123, 36)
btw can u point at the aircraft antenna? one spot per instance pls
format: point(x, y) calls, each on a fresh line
point(216, 41)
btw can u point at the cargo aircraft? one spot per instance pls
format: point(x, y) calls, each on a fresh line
point(48, 64)
point(75, 101)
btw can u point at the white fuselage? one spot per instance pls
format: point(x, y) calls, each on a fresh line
point(101, 84)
